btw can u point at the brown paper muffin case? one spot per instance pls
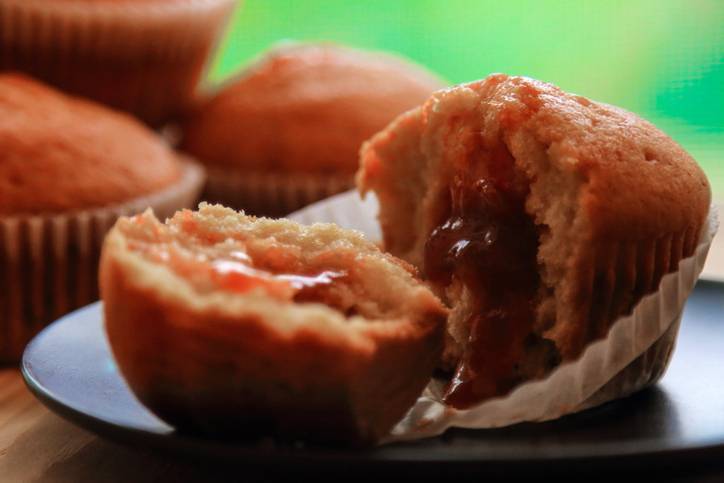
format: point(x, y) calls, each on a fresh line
point(145, 58)
point(48, 264)
point(271, 194)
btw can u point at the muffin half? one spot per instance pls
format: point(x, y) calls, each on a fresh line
point(539, 216)
point(229, 324)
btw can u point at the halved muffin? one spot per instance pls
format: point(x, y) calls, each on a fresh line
point(225, 323)
point(539, 216)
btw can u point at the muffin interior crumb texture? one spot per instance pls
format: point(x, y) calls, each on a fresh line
point(490, 189)
point(216, 249)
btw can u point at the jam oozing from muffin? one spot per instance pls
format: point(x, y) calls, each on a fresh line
point(488, 243)
point(231, 266)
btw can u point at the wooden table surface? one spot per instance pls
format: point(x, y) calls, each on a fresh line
point(38, 446)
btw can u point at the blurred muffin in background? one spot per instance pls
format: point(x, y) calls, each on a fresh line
point(142, 56)
point(68, 169)
point(288, 130)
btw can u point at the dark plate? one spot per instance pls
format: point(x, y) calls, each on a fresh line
point(681, 420)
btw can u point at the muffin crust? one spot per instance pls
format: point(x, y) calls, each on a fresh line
point(61, 153)
point(305, 108)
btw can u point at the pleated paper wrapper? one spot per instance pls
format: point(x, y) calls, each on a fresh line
point(634, 354)
point(49, 263)
point(271, 194)
point(142, 57)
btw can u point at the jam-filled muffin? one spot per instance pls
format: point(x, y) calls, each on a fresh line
point(540, 217)
point(229, 324)
point(68, 169)
point(145, 57)
point(288, 130)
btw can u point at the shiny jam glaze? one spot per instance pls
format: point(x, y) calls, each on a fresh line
point(240, 277)
point(488, 243)
point(278, 271)
point(235, 272)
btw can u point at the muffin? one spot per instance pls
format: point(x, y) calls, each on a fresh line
point(68, 169)
point(288, 130)
point(144, 57)
point(232, 325)
point(539, 216)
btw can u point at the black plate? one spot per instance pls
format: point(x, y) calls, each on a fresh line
point(69, 367)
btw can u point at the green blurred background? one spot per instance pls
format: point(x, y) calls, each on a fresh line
point(662, 59)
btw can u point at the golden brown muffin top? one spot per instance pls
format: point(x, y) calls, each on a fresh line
point(630, 169)
point(627, 168)
point(305, 107)
point(59, 153)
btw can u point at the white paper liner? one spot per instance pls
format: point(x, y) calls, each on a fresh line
point(48, 263)
point(634, 354)
point(714, 268)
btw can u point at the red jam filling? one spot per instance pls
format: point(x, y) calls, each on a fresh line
point(240, 277)
point(235, 272)
point(277, 271)
point(489, 244)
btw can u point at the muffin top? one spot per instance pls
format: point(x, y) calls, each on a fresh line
point(636, 182)
point(59, 153)
point(305, 107)
point(631, 179)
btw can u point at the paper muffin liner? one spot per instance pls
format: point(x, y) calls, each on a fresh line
point(633, 355)
point(271, 194)
point(49, 263)
point(142, 57)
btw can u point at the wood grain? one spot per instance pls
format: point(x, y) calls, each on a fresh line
point(38, 446)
